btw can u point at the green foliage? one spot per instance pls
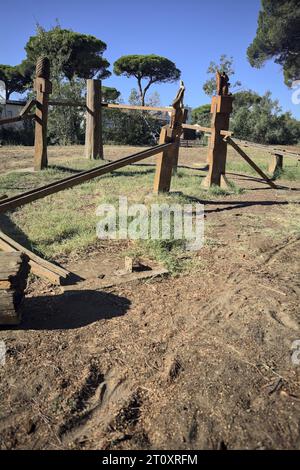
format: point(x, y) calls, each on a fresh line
point(70, 53)
point(153, 68)
point(278, 37)
point(201, 115)
point(16, 78)
point(260, 119)
point(110, 94)
point(66, 123)
point(23, 135)
point(134, 98)
point(130, 128)
point(225, 65)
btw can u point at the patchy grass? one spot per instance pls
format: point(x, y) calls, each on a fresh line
point(66, 222)
point(291, 168)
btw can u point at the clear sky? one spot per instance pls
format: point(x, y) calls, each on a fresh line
point(189, 32)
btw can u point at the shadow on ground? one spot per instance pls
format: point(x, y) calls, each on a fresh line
point(73, 309)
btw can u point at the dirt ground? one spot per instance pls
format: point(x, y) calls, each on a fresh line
point(199, 361)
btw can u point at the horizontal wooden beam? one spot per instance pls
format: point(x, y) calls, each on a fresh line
point(69, 182)
point(196, 127)
point(134, 107)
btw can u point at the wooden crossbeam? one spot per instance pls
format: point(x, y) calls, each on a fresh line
point(28, 106)
point(209, 130)
point(250, 162)
point(140, 108)
point(69, 182)
point(22, 115)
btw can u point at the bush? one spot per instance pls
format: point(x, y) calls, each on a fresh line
point(12, 135)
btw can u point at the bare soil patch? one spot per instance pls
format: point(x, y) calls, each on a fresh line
point(197, 361)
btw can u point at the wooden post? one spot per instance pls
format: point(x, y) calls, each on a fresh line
point(93, 134)
point(177, 136)
point(217, 151)
point(276, 165)
point(166, 162)
point(43, 89)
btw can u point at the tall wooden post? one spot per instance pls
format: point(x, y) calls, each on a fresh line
point(93, 133)
point(43, 88)
point(182, 118)
point(167, 161)
point(221, 109)
point(276, 165)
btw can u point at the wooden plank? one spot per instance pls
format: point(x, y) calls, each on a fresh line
point(10, 120)
point(13, 286)
point(28, 106)
point(196, 127)
point(93, 133)
point(39, 267)
point(140, 108)
point(69, 182)
point(250, 162)
point(205, 129)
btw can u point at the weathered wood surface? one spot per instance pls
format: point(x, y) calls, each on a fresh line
point(250, 162)
point(276, 165)
point(28, 107)
point(167, 161)
point(43, 89)
point(166, 109)
point(209, 130)
point(267, 148)
point(69, 182)
point(93, 133)
point(217, 149)
point(40, 267)
point(14, 270)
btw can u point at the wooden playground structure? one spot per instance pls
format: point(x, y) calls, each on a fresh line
point(166, 151)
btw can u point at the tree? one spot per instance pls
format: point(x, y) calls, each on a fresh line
point(201, 115)
point(16, 78)
point(110, 94)
point(152, 68)
point(260, 119)
point(134, 98)
point(225, 65)
point(66, 123)
point(278, 37)
point(71, 54)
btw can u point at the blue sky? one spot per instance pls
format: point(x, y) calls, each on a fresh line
point(190, 32)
